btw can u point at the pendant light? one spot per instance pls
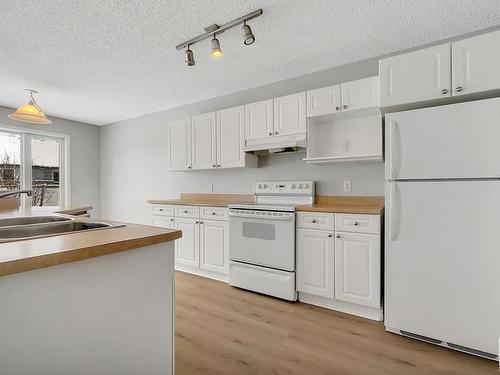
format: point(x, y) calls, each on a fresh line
point(30, 112)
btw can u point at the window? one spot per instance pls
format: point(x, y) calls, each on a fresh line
point(37, 162)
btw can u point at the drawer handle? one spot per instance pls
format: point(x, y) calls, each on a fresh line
point(459, 88)
point(313, 221)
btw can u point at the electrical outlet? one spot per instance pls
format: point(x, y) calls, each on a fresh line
point(347, 185)
point(210, 188)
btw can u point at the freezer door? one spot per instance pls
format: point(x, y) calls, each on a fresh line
point(442, 261)
point(452, 141)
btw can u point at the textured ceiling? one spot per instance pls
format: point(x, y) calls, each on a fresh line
point(101, 61)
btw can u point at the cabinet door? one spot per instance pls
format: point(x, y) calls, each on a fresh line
point(290, 114)
point(315, 262)
point(475, 64)
point(259, 120)
point(180, 144)
point(164, 222)
point(324, 101)
point(203, 141)
point(230, 137)
point(214, 246)
point(187, 249)
point(357, 268)
point(415, 76)
point(363, 93)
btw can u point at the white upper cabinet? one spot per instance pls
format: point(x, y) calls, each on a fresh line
point(476, 64)
point(180, 144)
point(416, 76)
point(290, 114)
point(357, 268)
point(203, 141)
point(259, 120)
point(363, 93)
point(324, 101)
point(230, 137)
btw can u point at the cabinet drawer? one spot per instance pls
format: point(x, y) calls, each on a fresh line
point(163, 209)
point(357, 223)
point(187, 211)
point(213, 213)
point(315, 220)
point(163, 222)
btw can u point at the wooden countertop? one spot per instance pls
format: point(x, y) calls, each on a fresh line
point(212, 200)
point(373, 205)
point(22, 256)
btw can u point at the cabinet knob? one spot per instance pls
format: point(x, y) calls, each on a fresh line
point(186, 211)
point(201, 222)
point(171, 219)
point(161, 209)
point(329, 235)
point(213, 213)
point(337, 108)
point(338, 236)
point(356, 223)
point(213, 165)
point(270, 133)
point(444, 91)
point(459, 89)
point(197, 222)
point(313, 221)
point(344, 106)
point(218, 165)
point(276, 133)
point(189, 167)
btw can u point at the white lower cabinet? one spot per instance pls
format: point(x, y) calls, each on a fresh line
point(214, 246)
point(187, 248)
point(340, 270)
point(315, 262)
point(357, 268)
point(204, 247)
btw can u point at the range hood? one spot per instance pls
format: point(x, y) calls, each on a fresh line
point(277, 145)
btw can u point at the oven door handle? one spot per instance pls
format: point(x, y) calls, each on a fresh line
point(262, 217)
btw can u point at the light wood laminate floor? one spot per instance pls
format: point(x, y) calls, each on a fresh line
point(225, 330)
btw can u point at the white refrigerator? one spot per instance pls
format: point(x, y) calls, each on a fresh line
point(442, 253)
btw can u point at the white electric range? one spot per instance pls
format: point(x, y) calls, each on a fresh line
point(262, 238)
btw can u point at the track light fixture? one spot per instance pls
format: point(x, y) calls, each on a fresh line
point(214, 30)
point(248, 36)
point(216, 51)
point(189, 57)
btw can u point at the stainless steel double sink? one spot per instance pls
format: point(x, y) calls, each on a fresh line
point(25, 228)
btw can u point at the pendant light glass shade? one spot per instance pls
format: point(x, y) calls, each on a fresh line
point(30, 112)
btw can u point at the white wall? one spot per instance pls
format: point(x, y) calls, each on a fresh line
point(134, 155)
point(84, 155)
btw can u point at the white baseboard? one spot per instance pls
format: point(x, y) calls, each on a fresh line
point(197, 271)
point(346, 307)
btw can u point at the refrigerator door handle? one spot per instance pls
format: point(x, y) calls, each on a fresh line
point(394, 212)
point(395, 149)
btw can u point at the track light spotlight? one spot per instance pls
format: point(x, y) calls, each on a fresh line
point(248, 36)
point(216, 51)
point(189, 57)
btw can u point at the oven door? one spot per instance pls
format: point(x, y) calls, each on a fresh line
point(264, 238)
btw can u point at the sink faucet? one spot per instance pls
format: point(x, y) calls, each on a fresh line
point(29, 193)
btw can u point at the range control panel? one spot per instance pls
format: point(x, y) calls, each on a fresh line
point(305, 188)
